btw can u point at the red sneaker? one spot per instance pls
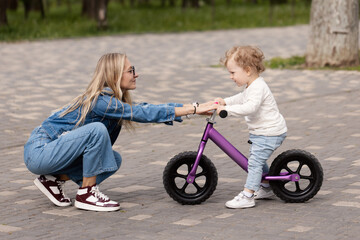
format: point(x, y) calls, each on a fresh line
point(90, 198)
point(53, 189)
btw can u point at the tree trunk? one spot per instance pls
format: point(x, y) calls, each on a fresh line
point(102, 13)
point(97, 10)
point(37, 5)
point(3, 17)
point(12, 4)
point(334, 33)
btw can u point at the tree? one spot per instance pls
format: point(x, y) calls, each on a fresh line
point(37, 5)
point(97, 10)
point(3, 17)
point(334, 33)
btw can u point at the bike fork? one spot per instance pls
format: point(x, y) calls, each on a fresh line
point(192, 174)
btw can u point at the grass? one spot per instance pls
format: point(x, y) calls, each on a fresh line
point(298, 62)
point(61, 22)
point(295, 63)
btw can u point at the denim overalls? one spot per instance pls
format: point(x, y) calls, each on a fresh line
point(58, 147)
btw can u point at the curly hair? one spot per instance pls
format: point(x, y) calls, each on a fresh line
point(245, 56)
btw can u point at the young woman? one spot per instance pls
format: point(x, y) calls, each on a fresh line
point(75, 143)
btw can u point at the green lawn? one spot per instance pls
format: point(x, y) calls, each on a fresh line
point(61, 22)
point(298, 62)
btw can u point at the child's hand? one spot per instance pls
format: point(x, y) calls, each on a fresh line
point(220, 101)
point(219, 109)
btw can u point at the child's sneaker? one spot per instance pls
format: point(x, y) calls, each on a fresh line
point(53, 189)
point(263, 193)
point(241, 201)
point(90, 198)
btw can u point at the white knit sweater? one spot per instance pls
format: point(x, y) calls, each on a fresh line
point(257, 104)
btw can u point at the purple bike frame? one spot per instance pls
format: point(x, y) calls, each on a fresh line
point(231, 151)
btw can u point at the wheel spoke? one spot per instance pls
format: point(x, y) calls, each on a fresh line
point(288, 169)
point(175, 175)
point(202, 173)
point(299, 168)
point(283, 183)
point(184, 187)
point(298, 189)
point(198, 188)
point(310, 178)
point(189, 165)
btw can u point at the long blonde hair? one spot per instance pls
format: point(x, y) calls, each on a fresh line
point(108, 73)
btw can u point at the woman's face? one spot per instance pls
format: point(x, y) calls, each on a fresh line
point(128, 79)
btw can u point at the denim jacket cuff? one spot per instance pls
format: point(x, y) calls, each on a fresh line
point(172, 113)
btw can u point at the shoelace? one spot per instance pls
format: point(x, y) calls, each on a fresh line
point(95, 190)
point(61, 188)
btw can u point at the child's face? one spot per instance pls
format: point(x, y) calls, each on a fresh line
point(239, 75)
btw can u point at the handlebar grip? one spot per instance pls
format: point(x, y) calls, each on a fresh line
point(223, 113)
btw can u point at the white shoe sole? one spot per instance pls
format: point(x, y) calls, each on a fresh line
point(264, 197)
point(43, 189)
point(89, 207)
point(239, 207)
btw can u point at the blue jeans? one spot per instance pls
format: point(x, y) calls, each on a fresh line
point(260, 151)
point(82, 152)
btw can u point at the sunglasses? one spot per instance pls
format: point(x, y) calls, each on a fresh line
point(132, 70)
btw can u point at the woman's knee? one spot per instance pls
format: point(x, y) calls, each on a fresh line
point(118, 159)
point(97, 127)
point(98, 130)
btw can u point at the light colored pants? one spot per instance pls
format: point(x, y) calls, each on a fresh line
point(260, 151)
point(83, 152)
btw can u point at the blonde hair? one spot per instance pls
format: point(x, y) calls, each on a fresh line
point(245, 56)
point(108, 73)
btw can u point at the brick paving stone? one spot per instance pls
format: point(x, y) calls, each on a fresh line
point(321, 109)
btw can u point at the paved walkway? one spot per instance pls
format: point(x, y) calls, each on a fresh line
point(322, 109)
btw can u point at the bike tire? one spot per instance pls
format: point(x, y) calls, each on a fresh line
point(300, 162)
point(175, 174)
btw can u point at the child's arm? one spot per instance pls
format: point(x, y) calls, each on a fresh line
point(247, 106)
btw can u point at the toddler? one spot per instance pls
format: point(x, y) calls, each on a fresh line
point(266, 125)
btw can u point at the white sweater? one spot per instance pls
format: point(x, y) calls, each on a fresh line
point(257, 104)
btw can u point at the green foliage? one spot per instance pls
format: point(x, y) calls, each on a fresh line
point(63, 22)
point(294, 62)
point(298, 62)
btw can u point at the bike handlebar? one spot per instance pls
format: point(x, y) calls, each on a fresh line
point(223, 114)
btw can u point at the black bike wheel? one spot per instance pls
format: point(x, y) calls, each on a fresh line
point(306, 166)
point(175, 174)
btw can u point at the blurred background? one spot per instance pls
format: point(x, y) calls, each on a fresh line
point(50, 19)
point(334, 24)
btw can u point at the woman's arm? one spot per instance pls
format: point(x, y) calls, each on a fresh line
point(112, 108)
point(187, 109)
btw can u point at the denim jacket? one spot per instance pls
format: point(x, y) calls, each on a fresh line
point(109, 111)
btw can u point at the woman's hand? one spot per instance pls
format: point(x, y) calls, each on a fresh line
point(207, 104)
point(202, 109)
point(206, 108)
